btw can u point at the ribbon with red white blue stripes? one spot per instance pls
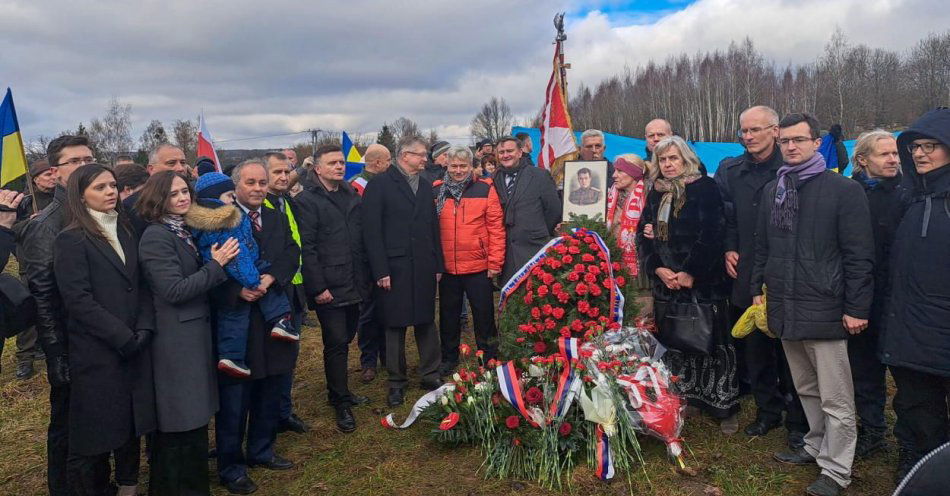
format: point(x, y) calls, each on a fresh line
point(569, 383)
point(616, 297)
point(525, 271)
point(605, 463)
point(511, 389)
point(421, 404)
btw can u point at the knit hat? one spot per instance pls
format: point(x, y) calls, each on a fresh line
point(38, 167)
point(212, 185)
point(439, 148)
point(483, 143)
point(205, 165)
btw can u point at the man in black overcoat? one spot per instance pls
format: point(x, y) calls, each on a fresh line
point(250, 408)
point(401, 236)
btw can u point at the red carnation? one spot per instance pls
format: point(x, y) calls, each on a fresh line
point(540, 347)
point(587, 257)
point(547, 278)
point(575, 242)
point(554, 263)
point(534, 396)
point(556, 287)
point(546, 309)
point(565, 429)
point(565, 332)
point(458, 397)
point(535, 312)
point(567, 259)
point(512, 422)
point(537, 271)
point(593, 269)
point(577, 325)
point(573, 250)
point(543, 291)
point(591, 278)
point(594, 311)
point(519, 340)
point(573, 277)
point(557, 312)
point(563, 298)
point(528, 298)
point(583, 306)
point(620, 280)
point(526, 328)
point(549, 323)
point(579, 268)
point(560, 249)
point(616, 265)
point(581, 289)
point(595, 290)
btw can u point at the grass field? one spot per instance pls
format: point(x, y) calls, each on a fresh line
point(375, 461)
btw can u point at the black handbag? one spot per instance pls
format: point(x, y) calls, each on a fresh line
point(17, 307)
point(687, 326)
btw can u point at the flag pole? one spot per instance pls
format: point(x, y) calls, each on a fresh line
point(26, 173)
point(559, 40)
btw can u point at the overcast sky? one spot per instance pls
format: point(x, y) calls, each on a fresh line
point(264, 68)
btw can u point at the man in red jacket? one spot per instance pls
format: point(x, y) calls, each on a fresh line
point(473, 244)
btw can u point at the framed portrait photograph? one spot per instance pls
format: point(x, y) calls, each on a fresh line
point(585, 189)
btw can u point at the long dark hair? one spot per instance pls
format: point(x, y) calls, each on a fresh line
point(77, 216)
point(154, 196)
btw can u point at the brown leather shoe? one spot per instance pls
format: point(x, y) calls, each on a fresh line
point(368, 375)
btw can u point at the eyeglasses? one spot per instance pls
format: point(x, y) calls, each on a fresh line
point(418, 154)
point(801, 140)
point(927, 148)
point(78, 161)
point(755, 130)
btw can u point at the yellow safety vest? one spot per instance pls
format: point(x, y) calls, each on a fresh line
point(294, 233)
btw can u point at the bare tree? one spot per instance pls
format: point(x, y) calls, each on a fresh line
point(404, 127)
point(185, 136)
point(433, 136)
point(112, 135)
point(493, 120)
point(153, 136)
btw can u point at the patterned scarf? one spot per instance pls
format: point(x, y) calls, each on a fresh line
point(785, 209)
point(176, 224)
point(623, 216)
point(674, 197)
point(451, 188)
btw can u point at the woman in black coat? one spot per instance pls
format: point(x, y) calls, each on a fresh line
point(186, 390)
point(109, 326)
point(682, 229)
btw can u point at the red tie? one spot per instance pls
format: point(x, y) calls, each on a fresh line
point(255, 219)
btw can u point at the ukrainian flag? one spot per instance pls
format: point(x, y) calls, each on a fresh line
point(12, 158)
point(354, 161)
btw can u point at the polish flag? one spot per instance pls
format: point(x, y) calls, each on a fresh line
point(557, 137)
point(206, 143)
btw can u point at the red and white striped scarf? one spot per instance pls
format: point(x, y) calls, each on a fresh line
point(626, 225)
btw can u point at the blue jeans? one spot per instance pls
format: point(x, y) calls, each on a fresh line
point(233, 322)
point(248, 409)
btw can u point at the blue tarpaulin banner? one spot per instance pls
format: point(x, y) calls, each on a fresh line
point(709, 152)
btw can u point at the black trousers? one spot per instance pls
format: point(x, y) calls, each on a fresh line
point(338, 326)
point(57, 441)
point(771, 382)
point(427, 341)
point(371, 336)
point(921, 407)
point(452, 289)
point(89, 474)
point(179, 464)
point(869, 377)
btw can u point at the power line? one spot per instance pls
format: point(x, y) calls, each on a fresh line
point(260, 137)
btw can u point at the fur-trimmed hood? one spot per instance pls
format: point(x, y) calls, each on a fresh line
point(224, 217)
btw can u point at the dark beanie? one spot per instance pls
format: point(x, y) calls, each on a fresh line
point(205, 165)
point(38, 167)
point(212, 185)
point(439, 148)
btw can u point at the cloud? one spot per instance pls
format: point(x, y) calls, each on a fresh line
point(263, 69)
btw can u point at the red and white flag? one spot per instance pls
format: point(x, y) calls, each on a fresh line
point(557, 135)
point(206, 143)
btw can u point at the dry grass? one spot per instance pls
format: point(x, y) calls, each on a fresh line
point(376, 461)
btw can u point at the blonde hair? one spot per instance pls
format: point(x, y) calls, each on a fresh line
point(864, 146)
point(689, 156)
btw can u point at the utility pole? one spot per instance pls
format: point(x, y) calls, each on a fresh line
point(313, 142)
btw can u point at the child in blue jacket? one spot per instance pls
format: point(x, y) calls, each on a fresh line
point(213, 219)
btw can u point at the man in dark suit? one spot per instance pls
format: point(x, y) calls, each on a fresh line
point(250, 408)
point(401, 234)
point(531, 203)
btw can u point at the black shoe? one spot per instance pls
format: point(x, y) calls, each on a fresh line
point(293, 424)
point(276, 463)
point(430, 385)
point(243, 485)
point(796, 457)
point(357, 400)
point(25, 370)
point(869, 444)
point(760, 427)
point(345, 422)
point(823, 486)
point(212, 453)
point(394, 398)
point(796, 440)
point(447, 369)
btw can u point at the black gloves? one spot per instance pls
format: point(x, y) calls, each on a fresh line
point(135, 344)
point(57, 369)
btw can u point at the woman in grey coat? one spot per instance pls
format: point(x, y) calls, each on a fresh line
point(186, 392)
